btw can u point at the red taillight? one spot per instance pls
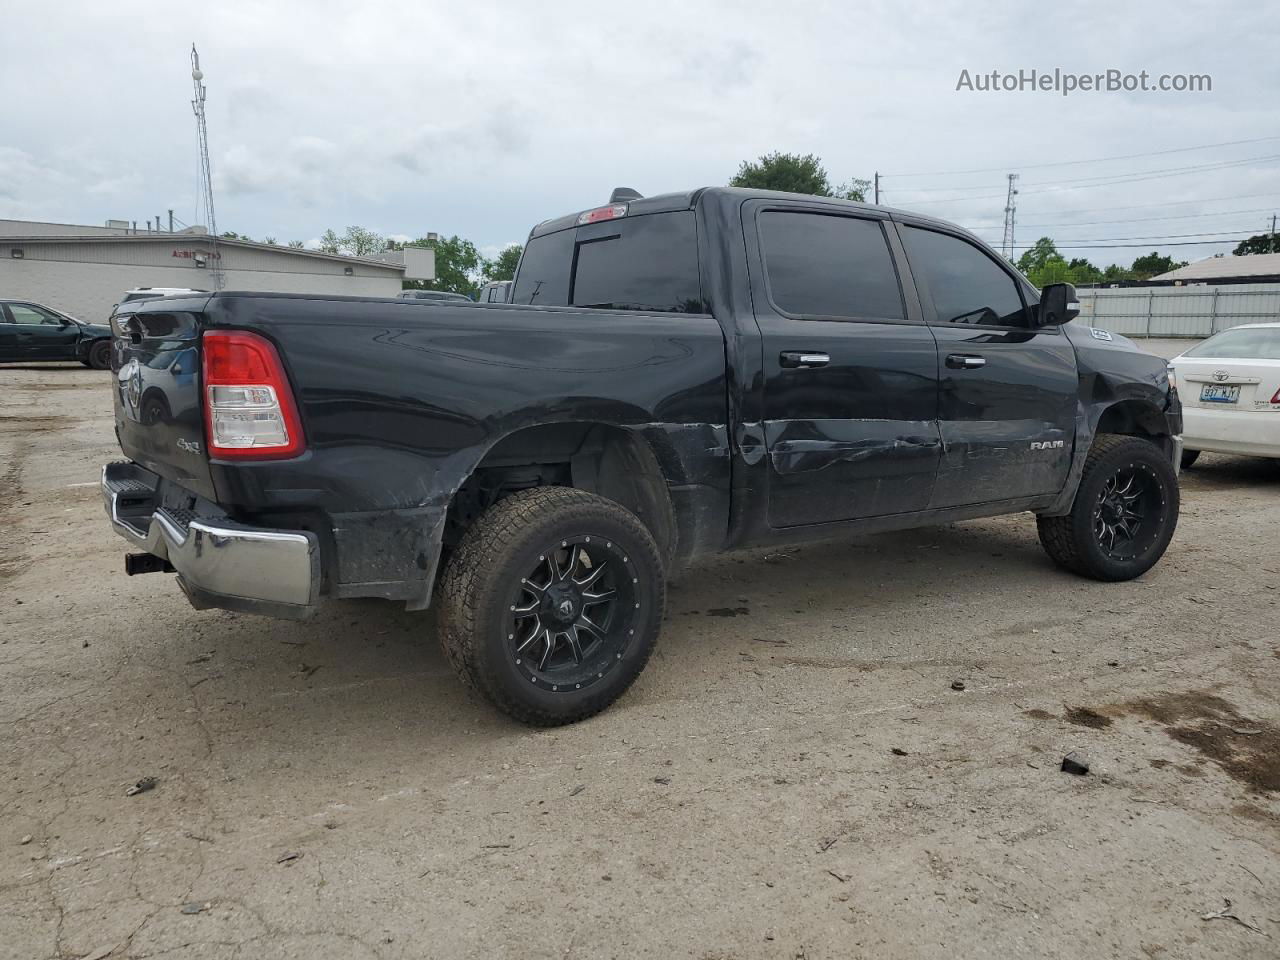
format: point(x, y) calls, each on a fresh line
point(249, 412)
point(611, 212)
point(1276, 398)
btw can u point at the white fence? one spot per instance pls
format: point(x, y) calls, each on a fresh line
point(1188, 311)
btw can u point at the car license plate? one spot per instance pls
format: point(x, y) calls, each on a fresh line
point(1218, 393)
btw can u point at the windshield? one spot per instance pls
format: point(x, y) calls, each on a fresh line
point(1243, 343)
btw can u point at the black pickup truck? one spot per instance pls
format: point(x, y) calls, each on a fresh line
point(674, 376)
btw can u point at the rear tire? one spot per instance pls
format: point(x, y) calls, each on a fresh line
point(100, 355)
point(1189, 457)
point(551, 605)
point(1124, 515)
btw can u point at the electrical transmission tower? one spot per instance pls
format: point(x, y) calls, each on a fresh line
point(206, 174)
point(1010, 209)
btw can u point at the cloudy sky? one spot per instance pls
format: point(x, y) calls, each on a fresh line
point(482, 118)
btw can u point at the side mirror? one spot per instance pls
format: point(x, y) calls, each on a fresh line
point(1058, 305)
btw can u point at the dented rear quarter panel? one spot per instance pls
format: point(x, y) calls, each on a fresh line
point(400, 401)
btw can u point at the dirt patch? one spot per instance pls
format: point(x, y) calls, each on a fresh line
point(1245, 749)
point(1250, 811)
point(1038, 714)
point(1084, 717)
point(728, 612)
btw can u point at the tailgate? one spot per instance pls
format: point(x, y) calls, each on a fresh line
point(159, 419)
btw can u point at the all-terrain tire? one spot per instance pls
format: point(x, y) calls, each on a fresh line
point(1189, 457)
point(494, 558)
point(100, 355)
point(1074, 542)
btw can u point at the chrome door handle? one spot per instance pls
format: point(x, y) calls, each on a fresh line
point(803, 360)
point(965, 361)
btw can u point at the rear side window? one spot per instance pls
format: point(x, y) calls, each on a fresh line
point(634, 263)
point(966, 285)
point(829, 266)
point(1252, 343)
point(543, 277)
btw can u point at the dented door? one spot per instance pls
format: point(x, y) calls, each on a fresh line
point(851, 380)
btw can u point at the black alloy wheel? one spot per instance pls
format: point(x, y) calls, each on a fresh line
point(574, 613)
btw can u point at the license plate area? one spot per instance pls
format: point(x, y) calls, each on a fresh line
point(1219, 393)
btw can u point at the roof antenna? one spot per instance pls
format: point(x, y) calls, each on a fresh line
point(623, 194)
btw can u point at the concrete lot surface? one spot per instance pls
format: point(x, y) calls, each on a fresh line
point(793, 776)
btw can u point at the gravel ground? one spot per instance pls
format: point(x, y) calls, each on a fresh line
point(793, 776)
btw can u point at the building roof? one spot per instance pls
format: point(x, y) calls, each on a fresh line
point(1221, 268)
point(154, 237)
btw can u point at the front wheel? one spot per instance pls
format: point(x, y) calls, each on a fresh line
point(100, 355)
point(551, 605)
point(1124, 514)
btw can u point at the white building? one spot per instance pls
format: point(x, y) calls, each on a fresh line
point(84, 271)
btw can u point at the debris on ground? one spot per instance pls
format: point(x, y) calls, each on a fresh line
point(899, 752)
point(142, 786)
point(1226, 914)
point(577, 790)
point(288, 857)
point(957, 684)
point(25, 840)
point(100, 954)
point(662, 780)
point(842, 877)
point(1075, 762)
point(193, 908)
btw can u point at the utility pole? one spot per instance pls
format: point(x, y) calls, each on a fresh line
point(878, 191)
point(206, 182)
point(1010, 209)
point(1274, 249)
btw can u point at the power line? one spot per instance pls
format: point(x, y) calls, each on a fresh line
point(1054, 186)
point(1223, 236)
point(1130, 177)
point(1184, 216)
point(1110, 246)
point(1067, 163)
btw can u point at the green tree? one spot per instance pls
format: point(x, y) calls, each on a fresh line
point(269, 241)
point(1114, 273)
point(1034, 259)
point(1261, 243)
point(503, 267)
point(232, 235)
point(296, 244)
point(795, 173)
point(1082, 271)
point(355, 242)
point(1152, 264)
point(459, 266)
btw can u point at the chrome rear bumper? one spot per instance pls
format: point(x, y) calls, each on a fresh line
point(219, 563)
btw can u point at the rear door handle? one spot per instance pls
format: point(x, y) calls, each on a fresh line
point(965, 361)
point(803, 359)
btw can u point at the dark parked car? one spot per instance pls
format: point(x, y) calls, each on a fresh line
point(432, 295)
point(32, 333)
point(675, 376)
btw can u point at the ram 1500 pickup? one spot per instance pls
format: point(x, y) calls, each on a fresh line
point(674, 376)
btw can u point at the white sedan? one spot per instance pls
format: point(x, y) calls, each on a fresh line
point(1230, 390)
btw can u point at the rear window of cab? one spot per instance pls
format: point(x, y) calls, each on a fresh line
point(647, 262)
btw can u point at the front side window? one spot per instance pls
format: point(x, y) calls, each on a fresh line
point(829, 266)
point(966, 285)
